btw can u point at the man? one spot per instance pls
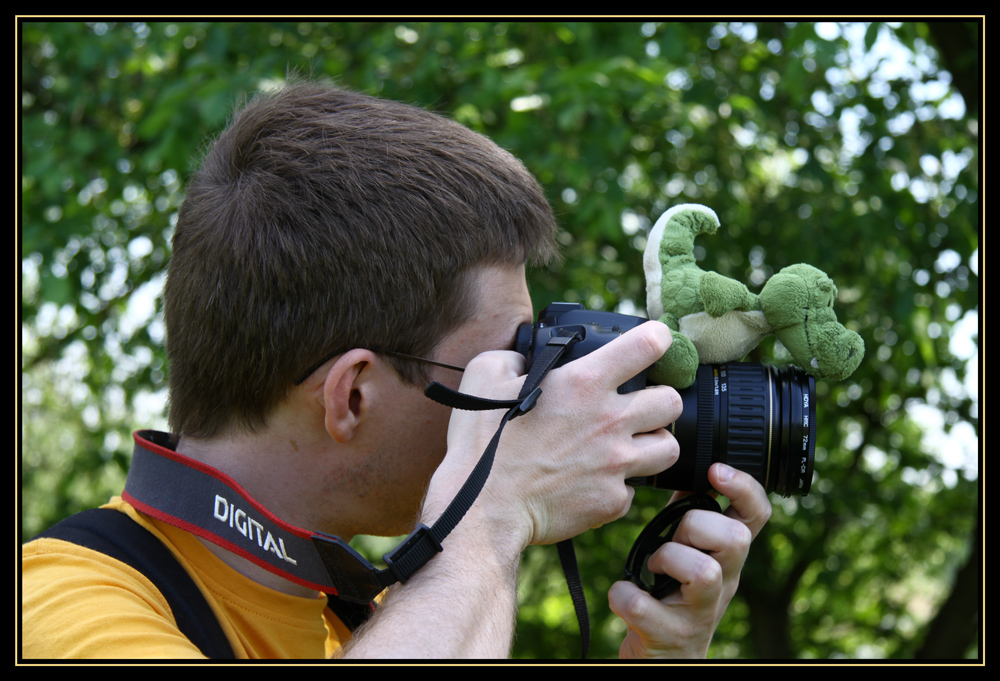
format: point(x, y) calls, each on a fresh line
point(334, 254)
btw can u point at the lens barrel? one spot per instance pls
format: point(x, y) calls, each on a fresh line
point(754, 417)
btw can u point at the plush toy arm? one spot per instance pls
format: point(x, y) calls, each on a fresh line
point(679, 365)
point(785, 298)
point(721, 294)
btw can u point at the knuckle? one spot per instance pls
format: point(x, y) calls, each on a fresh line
point(498, 358)
point(653, 340)
point(580, 378)
point(756, 511)
point(612, 504)
point(673, 405)
point(479, 363)
point(765, 513)
point(618, 501)
point(494, 366)
point(608, 431)
point(621, 459)
point(633, 606)
point(741, 537)
point(672, 456)
point(485, 362)
point(670, 449)
point(707, 574)
point(662, 334)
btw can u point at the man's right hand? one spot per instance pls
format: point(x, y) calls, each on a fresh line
point(561, 469)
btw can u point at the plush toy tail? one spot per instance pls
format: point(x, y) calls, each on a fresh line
point(673, 236)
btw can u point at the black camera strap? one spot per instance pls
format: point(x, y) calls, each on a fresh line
point(543, 362)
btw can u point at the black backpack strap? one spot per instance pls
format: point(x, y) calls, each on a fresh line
point(116, 535)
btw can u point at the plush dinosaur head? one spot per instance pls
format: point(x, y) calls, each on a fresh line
point(798, 303)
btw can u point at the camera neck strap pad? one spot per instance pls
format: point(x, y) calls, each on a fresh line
point(204, 501)
point(186, 493)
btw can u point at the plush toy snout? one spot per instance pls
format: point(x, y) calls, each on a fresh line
point(798, 301)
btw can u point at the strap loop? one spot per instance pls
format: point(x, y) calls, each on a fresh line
point(456, 400)
point(658, 532)
point(414, 552)
point(528, 403)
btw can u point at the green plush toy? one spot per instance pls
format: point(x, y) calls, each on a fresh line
point(715, 319)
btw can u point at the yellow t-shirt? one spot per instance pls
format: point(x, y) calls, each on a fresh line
point(78, 603)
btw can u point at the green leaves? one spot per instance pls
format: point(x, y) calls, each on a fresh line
point(844, 146)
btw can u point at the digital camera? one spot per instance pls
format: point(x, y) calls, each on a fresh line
point(754, 417)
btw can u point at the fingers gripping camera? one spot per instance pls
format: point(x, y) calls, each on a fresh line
point(754, 417)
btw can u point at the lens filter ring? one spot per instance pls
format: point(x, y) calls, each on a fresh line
point(797, 439)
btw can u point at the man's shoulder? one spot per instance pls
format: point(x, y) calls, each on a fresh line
point(80, 602)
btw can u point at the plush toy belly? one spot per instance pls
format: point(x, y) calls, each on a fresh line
point(727, 338)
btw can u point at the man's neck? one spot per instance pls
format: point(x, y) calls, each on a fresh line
point(262, 469)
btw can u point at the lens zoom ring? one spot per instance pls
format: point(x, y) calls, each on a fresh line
point(747, 423)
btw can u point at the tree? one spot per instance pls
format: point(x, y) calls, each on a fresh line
point(853, 147)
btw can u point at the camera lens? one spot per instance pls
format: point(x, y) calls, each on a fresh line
point(752, 416)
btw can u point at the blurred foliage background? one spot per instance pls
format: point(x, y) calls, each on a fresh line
point(852, 147)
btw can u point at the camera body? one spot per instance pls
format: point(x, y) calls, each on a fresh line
point(596, 328)
point(755, 417)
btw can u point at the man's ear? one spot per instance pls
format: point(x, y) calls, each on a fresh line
point(345, 394)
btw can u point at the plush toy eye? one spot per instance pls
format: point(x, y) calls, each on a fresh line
point(829, 291)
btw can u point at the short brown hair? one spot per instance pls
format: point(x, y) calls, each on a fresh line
point(323, 220)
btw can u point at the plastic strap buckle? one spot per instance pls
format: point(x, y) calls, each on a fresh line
point(413, 553)
point(527, 404)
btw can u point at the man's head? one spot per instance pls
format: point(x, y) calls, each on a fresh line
point(323, 220)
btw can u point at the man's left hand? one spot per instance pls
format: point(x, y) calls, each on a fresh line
point(706, 556)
